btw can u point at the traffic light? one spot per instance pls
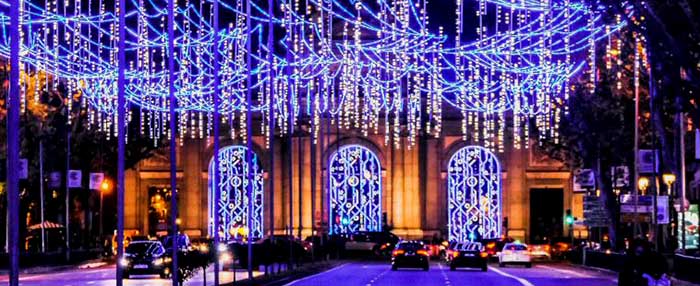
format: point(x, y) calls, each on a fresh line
point(569, 218)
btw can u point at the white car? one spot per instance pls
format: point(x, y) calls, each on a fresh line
point(515, 253)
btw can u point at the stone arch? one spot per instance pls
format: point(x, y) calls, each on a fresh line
point(354, 190)
point(474, 191)
point(233, 199)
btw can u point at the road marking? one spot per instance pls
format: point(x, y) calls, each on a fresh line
point(564, 271)
point(317, 274)
point(521, 280)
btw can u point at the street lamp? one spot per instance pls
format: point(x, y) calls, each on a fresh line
point(105, 186)
point(669, 179)
point(643, 184)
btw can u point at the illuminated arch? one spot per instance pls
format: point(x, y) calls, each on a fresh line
point(473, 195)
point(233, 201)
point(355, 190)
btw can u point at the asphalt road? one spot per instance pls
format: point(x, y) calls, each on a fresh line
point(380, 274)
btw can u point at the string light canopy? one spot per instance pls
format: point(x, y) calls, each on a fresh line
point(367, 65)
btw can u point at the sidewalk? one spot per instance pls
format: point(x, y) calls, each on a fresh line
point(676, 282)
point(95, 263)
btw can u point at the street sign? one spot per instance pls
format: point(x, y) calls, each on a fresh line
point(96, 180)
point(645, 206)
point(75, 178)
point(584, 179)
point(647, 160)
point(55, 180)
point(662, 213)
point(594, 212)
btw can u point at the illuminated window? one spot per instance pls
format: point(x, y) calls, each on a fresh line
point(473, 195)
point(233, 199)
point(355, 187)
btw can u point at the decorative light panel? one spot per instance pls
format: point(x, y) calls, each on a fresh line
point(474, 195)
point(232, 195)
point(355, 190)
point(365, 64)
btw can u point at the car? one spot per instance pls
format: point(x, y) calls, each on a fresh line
point(378, 243)
point(467, 254)
point(183, 242)
point(432, 247)
point(144, 258)
point(410, 254)
point(494, 246)
point(540, 251)
point(515, 253)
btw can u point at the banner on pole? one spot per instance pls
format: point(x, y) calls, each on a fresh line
point(23, 172)
point(75, 178)
point(96, 180)
point(620, 176)
point(55, 180)
point(648, 161)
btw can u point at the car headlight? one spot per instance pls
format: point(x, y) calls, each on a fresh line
point(225, 257)
point(124, 262)
point(158, 261)
point(222, 247)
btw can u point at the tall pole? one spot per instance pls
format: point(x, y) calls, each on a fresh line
point(312, 138)
point(300, 167)
point(41, 193)
point(635, 185)
point(271, 111)
point(249, 140)
point(13, 106)
point(682, 177)
point(290, 112)
point(121, 143)
point(217, 126)
point(173, 140)
point(67, 203)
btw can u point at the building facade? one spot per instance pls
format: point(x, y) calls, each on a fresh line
point(413, 187)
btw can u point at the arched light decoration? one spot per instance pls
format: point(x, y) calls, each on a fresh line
point(233, 199)
point(474, 195)
point(366, 64)
point(355, 190)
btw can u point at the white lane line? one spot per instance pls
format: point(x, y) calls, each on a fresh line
point(564, 271)
point(315, 275)
point(521, 280)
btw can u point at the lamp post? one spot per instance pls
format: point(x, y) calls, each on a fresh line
point(104, 187)
point(642, 185)
point(669, 179)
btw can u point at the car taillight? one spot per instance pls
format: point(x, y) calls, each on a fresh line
point(397, 252)
point(483, 254)
point(491, 245)
point(546, 248)
point(422, 252)
point(455, 254)
point(507, 252)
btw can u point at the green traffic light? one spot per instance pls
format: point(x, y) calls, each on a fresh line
point(569, 220)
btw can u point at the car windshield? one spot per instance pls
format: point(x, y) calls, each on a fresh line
point(410, 246)
point(516, 247)
point(144, 248)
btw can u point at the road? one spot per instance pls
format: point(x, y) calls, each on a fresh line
point(104, 276)
point(380, 274)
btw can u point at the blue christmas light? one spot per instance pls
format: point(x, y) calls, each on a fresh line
point(232, 199)
point(355, 190)
point(474, 195)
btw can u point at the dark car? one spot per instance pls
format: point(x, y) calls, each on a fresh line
point(410, 254)
point(183, 242)
point(467, 254)
point(144, 258)
point(377, 243)
point(494, 246)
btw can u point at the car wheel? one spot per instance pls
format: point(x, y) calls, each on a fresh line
point(393, 268)
point(426, 267)
point(484, 268)
point(501, 264)
point(125, 275)
point(529, 265)
point(453, 268)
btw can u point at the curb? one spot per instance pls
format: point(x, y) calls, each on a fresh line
point(675, 281)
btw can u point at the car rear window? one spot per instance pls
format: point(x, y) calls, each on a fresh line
point(410, 246)
point(470, 247)
point(516, 247)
